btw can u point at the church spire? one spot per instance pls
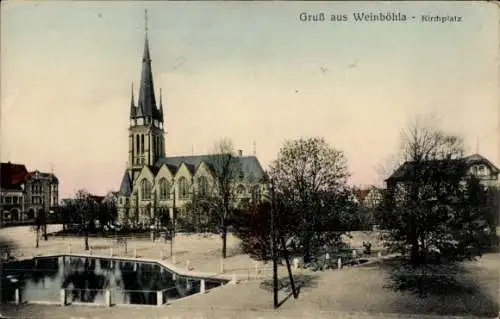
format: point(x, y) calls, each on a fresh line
point(132, 105)
point(147, 101)
point(161, 108)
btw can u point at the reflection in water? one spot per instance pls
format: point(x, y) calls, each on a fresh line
point(86, 279)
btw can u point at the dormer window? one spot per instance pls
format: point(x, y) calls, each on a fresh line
point(481, 170)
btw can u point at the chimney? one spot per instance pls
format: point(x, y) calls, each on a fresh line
point(240, 152)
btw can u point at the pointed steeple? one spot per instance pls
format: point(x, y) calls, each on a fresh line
point(161, 108)
point(132, 104)
point(147, 101)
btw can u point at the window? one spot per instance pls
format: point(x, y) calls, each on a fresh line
point(183, 187)
point(164, 189)
point(145, 189)
point(481, 170)
point(142, 143)
point(202, 185)
point(256, 193)
point(137, 143)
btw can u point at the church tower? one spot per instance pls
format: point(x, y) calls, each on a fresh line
point(146, 135)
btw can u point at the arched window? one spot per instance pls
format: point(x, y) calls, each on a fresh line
point(142, 143)
point(164, 189)
point(145, 189)
point(183, 187)
point(202, 185)
point(240, 190)
point(256, 193)
point(137, 143)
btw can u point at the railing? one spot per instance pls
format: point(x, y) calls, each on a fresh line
point(108, 297)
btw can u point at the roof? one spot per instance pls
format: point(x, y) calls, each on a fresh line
point(249, 164)
point(97, 199)
point(406, 168)
point(126, 185)
point(476, 159)
point(361, 193)
point(42, 175)
point(12, 175)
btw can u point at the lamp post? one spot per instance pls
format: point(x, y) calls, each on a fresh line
point(273, 247)
point(172, 221)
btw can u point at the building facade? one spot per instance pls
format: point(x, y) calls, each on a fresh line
point(154, 184)
point(474, 165)
point(24, 194)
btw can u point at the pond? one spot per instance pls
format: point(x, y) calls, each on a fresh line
point(86, 280)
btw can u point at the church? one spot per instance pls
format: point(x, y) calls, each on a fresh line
point(153, 184)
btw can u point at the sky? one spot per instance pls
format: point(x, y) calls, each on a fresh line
point(249, 71)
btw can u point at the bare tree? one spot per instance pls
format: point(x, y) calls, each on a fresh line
point(221, 201)
point(310, 182)
point(86, 211)
point(428, 198)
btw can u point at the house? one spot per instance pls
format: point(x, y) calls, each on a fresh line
point(12, 177)
point(24, 194)
point(368, 197)
point(475, 165)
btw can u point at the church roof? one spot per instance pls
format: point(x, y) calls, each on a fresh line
point(250, 164)
point(126, 185)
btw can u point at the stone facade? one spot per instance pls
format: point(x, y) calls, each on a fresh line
point(155, 184)
point(23, 194)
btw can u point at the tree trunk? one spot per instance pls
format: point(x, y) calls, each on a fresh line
point(87, 240)
point(224, 239)
point(37, 235)
point(307, 246)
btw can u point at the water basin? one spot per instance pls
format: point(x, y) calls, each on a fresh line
point(87, 279)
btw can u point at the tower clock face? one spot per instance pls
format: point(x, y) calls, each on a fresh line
point(140, 121)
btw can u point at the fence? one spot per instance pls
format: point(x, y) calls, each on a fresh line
point(110, 296)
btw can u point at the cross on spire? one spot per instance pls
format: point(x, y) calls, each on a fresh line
point(146, 21)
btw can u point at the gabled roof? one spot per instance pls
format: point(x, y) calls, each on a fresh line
point(477, 159)
point(249, 164)
point(361, 193)
point(12, 175)
point(126, 185)
point(406, 168)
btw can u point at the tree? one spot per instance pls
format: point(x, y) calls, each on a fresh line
point(86, 210)
point(431, 203)
point(40, 225)
point(221, 201)
point(107, 211)
point(253, 229)
point(310, 179)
